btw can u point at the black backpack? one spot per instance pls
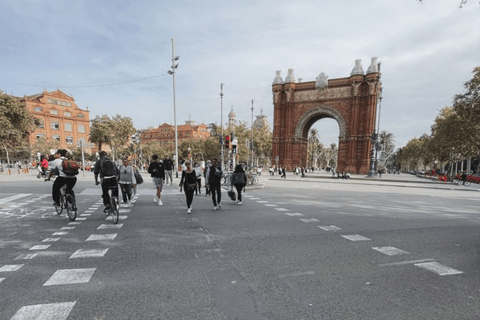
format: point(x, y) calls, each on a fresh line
point(108, 168)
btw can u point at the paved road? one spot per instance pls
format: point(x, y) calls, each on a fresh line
point(297, 249)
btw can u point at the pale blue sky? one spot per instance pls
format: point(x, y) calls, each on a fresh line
point(427, 51)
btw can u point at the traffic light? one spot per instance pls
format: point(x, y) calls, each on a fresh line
point(227, 142)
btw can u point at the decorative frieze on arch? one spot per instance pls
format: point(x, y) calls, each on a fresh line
point(320, 112)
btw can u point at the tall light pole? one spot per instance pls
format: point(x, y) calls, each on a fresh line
point(221, 121)
point(172, 72)
point(251, 141)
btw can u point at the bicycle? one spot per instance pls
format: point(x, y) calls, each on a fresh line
point(67, 202)
point(252, 178)
point(114, 204)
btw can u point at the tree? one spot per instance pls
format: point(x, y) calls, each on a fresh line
point(115, 131)
point(15, 124)
point(314, 148)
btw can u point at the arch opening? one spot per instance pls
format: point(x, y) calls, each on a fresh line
point(322, 135)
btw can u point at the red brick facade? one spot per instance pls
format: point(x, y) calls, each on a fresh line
point(165, 133)
point(350, 101)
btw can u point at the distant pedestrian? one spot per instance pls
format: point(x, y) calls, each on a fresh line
point(189, 184)
point(207, 167)
point(126, 181)
point(168, 164)
point(198, 172)
point(464, 177)
point(379, 173)
point(157, 172)
point(239, 180)
point(213, 179)
point(284, 173)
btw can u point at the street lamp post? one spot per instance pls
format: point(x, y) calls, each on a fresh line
point(251, 141)
point(221, 122)
point(172, 73)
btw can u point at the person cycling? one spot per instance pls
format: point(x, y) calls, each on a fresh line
point(109, 173)
point(62, 179)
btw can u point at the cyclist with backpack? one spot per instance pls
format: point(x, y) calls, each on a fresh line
point(109, 173)
point(66, 176)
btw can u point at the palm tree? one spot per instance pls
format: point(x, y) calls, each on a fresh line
point(314, 148)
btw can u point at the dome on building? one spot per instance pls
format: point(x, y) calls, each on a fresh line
point(261, 122)
point(232, 114)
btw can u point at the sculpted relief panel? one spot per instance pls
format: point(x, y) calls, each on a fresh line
point(325, 94)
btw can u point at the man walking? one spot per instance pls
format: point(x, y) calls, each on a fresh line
point(157, 172)
point(213, 182)
point(168, 170)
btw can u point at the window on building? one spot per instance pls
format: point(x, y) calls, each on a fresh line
point(53, 111)
point(80, 115)
point(41, 123)
point(55, 125)
point(50, 100)
point(69, 104)
point(37, 109)
point(81, 128)
point(56, 138)
point(69, 140)
point(68, 126)
point(67, 114)
point(40, 136)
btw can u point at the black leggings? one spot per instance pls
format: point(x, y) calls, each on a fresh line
point(216, 194)
point(58, 184)
point(189, 195)
point(239, 188)
point(126, 191)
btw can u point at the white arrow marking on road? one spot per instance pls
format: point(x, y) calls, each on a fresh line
point(59, 311)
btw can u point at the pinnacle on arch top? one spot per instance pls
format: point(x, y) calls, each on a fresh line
point(357, 69)
point(290, 77)
point(373, 68)
point(278, 79)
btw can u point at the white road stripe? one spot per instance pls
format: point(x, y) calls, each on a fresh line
point(281, 209)
point(401, 263)
point(26, 256)
point(15, 197)
point(291, 214)
point(40, 247)
point(391, 251)
point(74, 223)
point(10, 267)
point(262, 201)
point(309, 220)
point(271, 205)
point(50, 239)
point(438, 268)
point(60, 233)
point(88, 253)
point(110, 226)
point(1, 279)
point(67, 228)
point(124, 210)
point(81, 219)
point(95, 237)
point(330, 228)
point(356, 237)
point(58, 311)
point(109, 218)
point(69, 276)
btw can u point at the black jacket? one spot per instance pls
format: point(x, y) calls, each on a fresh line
point(157, 170)
point(168, 164)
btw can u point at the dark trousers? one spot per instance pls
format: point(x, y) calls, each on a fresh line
point(189, 195)
point(216, 191)
point(199, 186)
point(59, 183)
point(106, 183)
point(239, 188)
point(126, 191)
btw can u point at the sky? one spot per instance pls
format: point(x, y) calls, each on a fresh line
point(113, 56)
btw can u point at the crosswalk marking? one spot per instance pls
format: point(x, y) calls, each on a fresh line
point(58, 311)
point(109, 218)
point(438, 268)
point(391, 251)
point(88, 253)
point(281, 209)
point(330, 228)
point(40, 247)
point(271, 205)
point(67, 228)
point(356, 237)
point(26, 256)
point(110, 226)
point(309, 220)
point(96, 237)
point(10, 267)
point(1, 279)
point(69, 276)
point(60, 233)
point(50, 239)
point(15, 197)
point(291, 214)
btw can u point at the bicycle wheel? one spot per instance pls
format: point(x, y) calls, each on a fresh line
point(71, 208)
point(59, 208)
point(114, 209)
point(255, 180)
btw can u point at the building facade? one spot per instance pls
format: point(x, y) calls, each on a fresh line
point(165, 133)
point(60, 120)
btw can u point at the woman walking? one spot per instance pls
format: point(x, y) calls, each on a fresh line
point(127, 181)
point(198, 172)
point(239, 180)
point(189, 183)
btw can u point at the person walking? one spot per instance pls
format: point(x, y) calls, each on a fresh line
point(284, 173)
point(213, 181)
point(239, 180)
point(157, 172)
point(198, 172)
point(189, 184)
point(168, 170)
point(207, 167)
point(127, 181)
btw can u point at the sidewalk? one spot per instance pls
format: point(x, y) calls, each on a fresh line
point(401, 180)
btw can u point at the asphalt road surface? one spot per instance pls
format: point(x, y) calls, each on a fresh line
point(296, 249)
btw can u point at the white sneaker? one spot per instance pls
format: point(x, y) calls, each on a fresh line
point(160, 203)
point(189, 210)
point(219, 206)
point(215, 208)
point(240, 202)
point(155, 199)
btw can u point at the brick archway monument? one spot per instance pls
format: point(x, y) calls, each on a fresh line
point(350, 101)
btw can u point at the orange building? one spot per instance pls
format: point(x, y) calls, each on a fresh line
point(61, 120)
point(165, 133)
